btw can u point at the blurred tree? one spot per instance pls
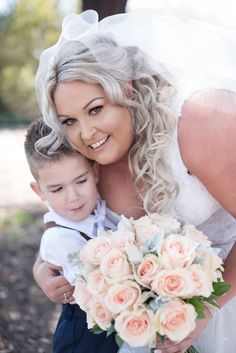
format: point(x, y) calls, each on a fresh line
point(105, 7)
point(29, 27)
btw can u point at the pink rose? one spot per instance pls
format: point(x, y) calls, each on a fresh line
point(121, 238)
point(203, 286)
point(173, 283)
point(122, 296)
point(147, 269)
point(81, 294)
point(95, 249)
point(136, 327)
point(115, 266)
point(178, 251)
point(175, 320)
point(96, 282)
point(99, 313)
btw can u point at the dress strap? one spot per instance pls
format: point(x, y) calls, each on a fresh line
point(52, 224)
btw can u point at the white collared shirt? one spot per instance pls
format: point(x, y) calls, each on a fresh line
point(57, 242)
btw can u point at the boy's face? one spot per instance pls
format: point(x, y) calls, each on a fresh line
point(69, 186)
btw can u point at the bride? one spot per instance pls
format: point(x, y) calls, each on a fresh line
point(158, 95)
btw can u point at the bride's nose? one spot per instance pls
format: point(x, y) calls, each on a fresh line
point(87, 130)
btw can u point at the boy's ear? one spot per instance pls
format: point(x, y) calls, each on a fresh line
point(37, 189)
point(96, 172)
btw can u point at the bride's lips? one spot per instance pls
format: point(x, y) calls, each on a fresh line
point(100, 143)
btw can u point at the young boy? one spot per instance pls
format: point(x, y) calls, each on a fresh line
point(67, 181)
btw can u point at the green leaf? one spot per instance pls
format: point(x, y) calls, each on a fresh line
point(220, 288)
point(191, 350)
point(118, 340)
point(96, 329)
point(110, 330)
point(198, 304)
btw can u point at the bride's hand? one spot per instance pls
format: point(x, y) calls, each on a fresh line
point(54, 285)
point(181, 347)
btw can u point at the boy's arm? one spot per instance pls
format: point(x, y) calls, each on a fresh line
point(61, 246)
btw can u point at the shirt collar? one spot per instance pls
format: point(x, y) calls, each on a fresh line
point(92, 225)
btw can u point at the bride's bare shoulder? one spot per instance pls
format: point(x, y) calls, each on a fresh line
point(207, 139)
point(207, 123)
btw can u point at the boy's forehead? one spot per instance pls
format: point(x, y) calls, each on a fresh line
point(79, 164)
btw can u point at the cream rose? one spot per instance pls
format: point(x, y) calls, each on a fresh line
point(167, 223)
point(191, 232)
point(147, 269)
point(178, 251)
point(95, 250)
point(122, 296)
point(136, 327)
point(173, 283)
point(99, 313)
point(96, 282)
point(175, 320)
point(201, 281)
point(115, 266)
point(211, 263)
point(145, 230)
point(121, 238)
point(81, 293)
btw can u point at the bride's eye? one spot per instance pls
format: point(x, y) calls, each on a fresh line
point(68, 121)
point(95, 110)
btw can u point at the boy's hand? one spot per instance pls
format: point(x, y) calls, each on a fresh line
point(54, 285)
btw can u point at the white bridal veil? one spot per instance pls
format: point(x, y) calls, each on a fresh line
point(188, 52)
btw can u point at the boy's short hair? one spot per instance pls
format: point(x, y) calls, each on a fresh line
point(37, 158)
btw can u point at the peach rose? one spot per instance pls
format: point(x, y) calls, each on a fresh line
point(115, 266)
point(201, 281)
point(173, 283)
point(81, 294)
point(122, 296)
point(120, 239)
point(99, 313)
point(177, 251)
point(147, 269)
point(136, 327)
point(175, 320)
point(95, 249)
point(96, 282)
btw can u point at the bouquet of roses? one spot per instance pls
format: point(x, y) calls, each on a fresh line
point(149, 279)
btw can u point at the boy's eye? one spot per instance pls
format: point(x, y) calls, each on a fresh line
point(95, 110)
point(57, 190)
point(68, 121)
point(81, 181)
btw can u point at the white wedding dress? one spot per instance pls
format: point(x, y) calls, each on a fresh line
point(203, 57)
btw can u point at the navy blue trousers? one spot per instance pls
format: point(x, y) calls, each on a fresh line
point(73, 336)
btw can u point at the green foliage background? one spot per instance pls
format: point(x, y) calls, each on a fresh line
point(26, 28)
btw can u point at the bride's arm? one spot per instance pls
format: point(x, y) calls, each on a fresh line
point(207, 140)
